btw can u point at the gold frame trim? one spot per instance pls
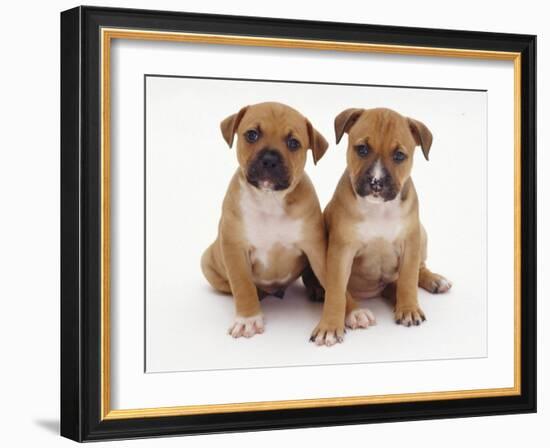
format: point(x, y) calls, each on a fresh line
point(107, 35)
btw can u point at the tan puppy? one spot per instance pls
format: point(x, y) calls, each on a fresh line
point(271, 223)
point(377, 245)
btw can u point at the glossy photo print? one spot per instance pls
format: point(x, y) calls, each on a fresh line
point(301, 223)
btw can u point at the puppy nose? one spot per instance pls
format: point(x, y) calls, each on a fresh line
point(270, 159)
point(376, 185)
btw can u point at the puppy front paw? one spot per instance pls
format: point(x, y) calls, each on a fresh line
point(410, 315)
point(360, 318)
point(247, 326)
point(327, 334)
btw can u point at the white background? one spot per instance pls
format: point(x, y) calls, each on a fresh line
point(189, 167)
point(29, 240)
point(131, 388)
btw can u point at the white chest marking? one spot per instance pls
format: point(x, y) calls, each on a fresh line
point(266, 222)
point(381, 220)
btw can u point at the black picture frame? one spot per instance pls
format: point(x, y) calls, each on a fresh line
point(81, 224)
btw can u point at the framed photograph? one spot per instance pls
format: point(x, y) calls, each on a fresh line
point(243, 246)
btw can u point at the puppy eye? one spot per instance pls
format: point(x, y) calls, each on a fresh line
point(362, 150)
point(399, 156)
point(292, 144)
point(252, 136)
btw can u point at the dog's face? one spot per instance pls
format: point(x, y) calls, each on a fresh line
point(381, 145)
point(272, 140)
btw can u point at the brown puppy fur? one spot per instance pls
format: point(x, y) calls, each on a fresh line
point(377, 245)
point(271, 225)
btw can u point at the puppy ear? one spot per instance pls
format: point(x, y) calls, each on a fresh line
point(422, 136)
point(344, 121)
point(317, 142)
point(230, 124)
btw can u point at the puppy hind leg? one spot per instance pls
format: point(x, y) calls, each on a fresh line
point(432, 282)
point(427, 279)
point(390, 292)
point(351, 303)
point(213, 272)
point(314, 290)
